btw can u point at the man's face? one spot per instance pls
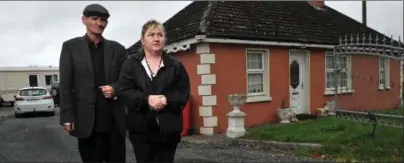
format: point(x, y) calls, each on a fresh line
point(95, 24)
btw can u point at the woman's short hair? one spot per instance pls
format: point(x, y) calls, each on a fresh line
point(151, 24)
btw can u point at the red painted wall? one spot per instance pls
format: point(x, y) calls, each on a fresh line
point(190, 60)
point(230, 70)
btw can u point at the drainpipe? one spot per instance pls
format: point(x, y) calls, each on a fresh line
point(402, 72)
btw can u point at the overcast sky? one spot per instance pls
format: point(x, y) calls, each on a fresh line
point(32, 32)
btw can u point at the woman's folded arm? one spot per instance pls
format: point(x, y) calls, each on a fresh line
point(178, 95)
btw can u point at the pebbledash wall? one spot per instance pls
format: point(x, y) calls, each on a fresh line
point(209, 90)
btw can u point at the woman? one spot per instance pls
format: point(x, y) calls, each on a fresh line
point(155, 89)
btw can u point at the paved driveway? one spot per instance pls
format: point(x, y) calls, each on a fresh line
point(41, 139)
point(5, 112)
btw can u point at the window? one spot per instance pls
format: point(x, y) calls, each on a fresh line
point(55, 78)
point(33, 92)
point(33, 80)
point(49, 79)
point(257, 75)
point(344, 80)
point(384, 73)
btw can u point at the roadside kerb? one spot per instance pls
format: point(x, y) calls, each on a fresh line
point(222, 141)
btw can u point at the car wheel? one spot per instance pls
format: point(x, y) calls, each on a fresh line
point(17, 115)
point(52, 113)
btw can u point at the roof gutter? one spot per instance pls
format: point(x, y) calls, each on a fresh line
point(186, 44)
point(271, 43)
point(28, 69)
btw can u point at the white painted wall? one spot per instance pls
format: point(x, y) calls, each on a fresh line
point(12, 79)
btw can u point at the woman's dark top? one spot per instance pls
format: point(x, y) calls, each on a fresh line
point(171, 80)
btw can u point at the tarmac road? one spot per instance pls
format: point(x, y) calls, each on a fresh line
point(41, 139)
point(5, 112)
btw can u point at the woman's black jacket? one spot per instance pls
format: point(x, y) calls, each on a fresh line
point(171, 80)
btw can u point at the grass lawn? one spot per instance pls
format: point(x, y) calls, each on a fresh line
point(343, 140)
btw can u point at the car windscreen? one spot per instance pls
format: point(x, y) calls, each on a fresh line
point(33, 92)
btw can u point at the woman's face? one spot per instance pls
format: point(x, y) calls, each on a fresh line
point(154, 39)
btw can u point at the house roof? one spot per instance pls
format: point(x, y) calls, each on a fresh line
point(284, 21)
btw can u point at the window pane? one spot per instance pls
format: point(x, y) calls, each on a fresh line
point(342, 62)
point(382, 81)
point(330, 80)
point(343, 79)
point(329, 62)
point(382, 76)
point(33, 80)
point(254, 61)
point(55, 78)
point(255, 83)
point(382, 63)
point(343, 83)
point(48, 79)
point(33, 92)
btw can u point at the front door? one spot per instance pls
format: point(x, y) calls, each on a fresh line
point(298, 81)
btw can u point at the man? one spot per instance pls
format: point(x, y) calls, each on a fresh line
point(89, 98)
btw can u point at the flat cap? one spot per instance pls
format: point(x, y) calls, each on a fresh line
point(96, 10)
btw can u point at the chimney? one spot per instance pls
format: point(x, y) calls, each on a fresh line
point(317, 4)
point(364, 13)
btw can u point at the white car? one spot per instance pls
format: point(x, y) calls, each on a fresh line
point(33, 99)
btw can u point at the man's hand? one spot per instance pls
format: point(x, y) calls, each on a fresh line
point(156, 102)
point(68, 127)
point(107, 90)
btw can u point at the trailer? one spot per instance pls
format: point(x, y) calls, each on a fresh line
point(14, 78)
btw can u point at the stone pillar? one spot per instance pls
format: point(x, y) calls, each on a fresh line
point(236, 116)
point(208, 78)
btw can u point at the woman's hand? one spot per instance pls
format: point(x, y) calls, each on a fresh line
point(157, 102)
point(163, 100)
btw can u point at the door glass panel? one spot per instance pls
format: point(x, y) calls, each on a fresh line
point(294, 74)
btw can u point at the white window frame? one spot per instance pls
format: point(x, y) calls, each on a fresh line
point(51, 79)
point(55, 77)
point(348, 69)
point(265, 95)
point(386, 68)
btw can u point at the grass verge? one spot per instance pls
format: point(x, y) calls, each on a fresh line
point(342, 140)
